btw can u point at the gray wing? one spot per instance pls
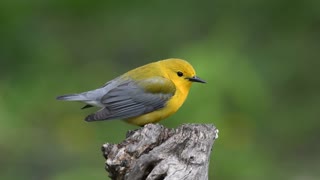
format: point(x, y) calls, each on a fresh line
point(130, 99)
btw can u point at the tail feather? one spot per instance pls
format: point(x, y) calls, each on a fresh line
point(102, 114)
point(87, 106)
point(72, 97)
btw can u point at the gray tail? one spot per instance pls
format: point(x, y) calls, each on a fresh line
point(72, 97)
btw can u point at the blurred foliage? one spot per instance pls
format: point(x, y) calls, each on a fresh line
point(260, 59)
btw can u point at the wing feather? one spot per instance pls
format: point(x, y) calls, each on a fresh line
point(134, 98)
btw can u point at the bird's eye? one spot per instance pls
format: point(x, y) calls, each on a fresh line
point(179, 73)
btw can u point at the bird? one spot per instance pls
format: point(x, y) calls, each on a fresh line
point(146, 94)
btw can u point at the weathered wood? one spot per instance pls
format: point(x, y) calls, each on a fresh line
point(155, 152)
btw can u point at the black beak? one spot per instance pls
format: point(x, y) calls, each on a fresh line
point(196, 79)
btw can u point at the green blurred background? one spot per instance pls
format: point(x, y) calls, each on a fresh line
point(259, 57)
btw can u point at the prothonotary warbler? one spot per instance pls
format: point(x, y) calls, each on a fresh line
point(143, 95)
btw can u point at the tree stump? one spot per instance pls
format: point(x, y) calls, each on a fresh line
point(155, 152)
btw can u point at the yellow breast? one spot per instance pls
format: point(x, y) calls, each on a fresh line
point(170, 108)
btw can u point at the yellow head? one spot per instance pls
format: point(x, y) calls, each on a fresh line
point(180, 72)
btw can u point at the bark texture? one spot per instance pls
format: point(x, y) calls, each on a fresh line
point(155, 153)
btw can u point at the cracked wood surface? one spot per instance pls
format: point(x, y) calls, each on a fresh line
point(155, 152)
